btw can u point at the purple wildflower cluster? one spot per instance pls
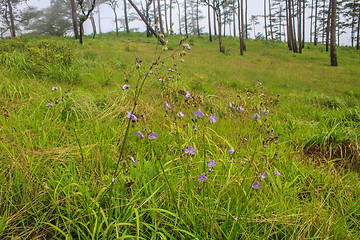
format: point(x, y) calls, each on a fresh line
point(256, 185)
point(257, 101)
point(61, 98)
point(131, 116)
point(199, 114)
point(202, 178)
point(211, 164)
point(190, 150)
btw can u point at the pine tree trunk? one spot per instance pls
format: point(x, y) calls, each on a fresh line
point(315, 32)
point(303, 25)
point(148, 33)
point(295, 49)
point(246, 19)
point(328, 26)
point(214, 23)
point(338, 31)
point(186, 28)
point(11, 15)
point(166, 21)
point(353, 24)
point(234, 20)
point(93, 25)
point(74, 19)
point(126, 18)
point(116, 23)
point(265, 20)
point(358, 29)
point(197, 17)
point(323, 24)
point(280, 23)
point(333, 55)
point(242, 27)
point(179, 17)
point(210, 37)
point(171, 22)
point(299, 27)
point(224, 28)
point(81, 32)
point(160, 17)
point(230, 28)
point(219, 28)
point(99, 18)
point(271, 31)
point(240, 30)
point(311, 19)
point(288, 30)
point(155, 15)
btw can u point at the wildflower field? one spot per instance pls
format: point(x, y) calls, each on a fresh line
point(123, 138)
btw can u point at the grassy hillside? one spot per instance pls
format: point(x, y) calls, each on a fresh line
point(106, 141)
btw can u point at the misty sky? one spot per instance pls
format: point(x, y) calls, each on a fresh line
point(255, 7)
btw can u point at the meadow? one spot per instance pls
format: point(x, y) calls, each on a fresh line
point(123, 138)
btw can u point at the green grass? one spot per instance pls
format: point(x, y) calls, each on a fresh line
point(57, 163)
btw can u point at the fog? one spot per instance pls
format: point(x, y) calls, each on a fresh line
point(255, 7)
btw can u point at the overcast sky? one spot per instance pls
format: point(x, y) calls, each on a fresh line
point(255, 7)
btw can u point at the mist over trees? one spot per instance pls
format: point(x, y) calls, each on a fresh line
point(291, 21)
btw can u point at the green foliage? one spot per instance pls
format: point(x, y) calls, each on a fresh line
point(48, 59)
point(54, 20)
point(57, 162)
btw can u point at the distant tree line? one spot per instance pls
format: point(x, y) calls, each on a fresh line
point(283, 20)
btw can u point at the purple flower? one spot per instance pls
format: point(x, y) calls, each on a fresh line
point(231, 151)
point(180, 115)
point(153, 135)
point(212, 163)
point(230, 105)
point(187, 94)
point(167, 105)
point(199, 114)
point(169, 69)
point(159, 79)
point(190, 150)
point(131, 116)
point(265, 111)
point(263, 176)
point(245, 139)
point(262, 95)
point(139, 134)
point(240, 109)
point(277, 174)
point(125, 87)
point(209, 170)
point(202, 178)
point(213, 118)
point(256, 116)
point(48, 105)
point(187, 46)
point(133, 160)
point(54, 89)
point(256, 185)
point(113, 180)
